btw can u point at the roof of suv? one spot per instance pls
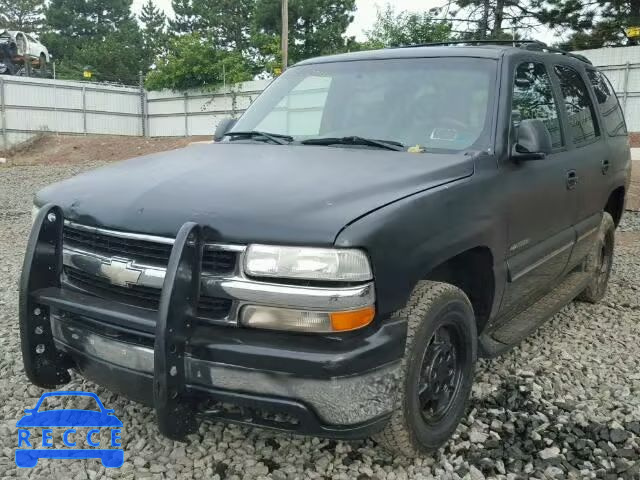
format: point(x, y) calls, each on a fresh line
point(478, 49)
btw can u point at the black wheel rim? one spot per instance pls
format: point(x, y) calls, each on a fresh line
point(441, 373)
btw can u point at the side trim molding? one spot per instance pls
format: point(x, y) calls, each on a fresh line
point(541, 262)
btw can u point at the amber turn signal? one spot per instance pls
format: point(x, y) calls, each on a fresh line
point(345, 321)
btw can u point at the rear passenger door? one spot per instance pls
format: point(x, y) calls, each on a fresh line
point(588, 152)
point(542, 201)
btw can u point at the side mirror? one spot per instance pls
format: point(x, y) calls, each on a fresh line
point(223, 127)
point(533, 141)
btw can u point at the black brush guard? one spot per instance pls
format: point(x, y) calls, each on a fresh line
point(46, 367)
point(174, 400)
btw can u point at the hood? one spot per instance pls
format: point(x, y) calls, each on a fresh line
point(251, 192)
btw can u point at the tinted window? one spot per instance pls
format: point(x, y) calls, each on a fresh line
point(608, 103)
point(533, 99)
point(301, 111)
point(583, 126)
point(437, 103)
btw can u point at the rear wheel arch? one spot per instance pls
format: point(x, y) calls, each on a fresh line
point(615, 204)
point(599, 262)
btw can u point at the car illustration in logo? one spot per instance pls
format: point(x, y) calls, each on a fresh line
point(71, 419)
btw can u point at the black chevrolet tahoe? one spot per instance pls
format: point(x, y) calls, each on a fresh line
point(338, 260)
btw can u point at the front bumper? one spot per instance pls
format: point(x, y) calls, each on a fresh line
point(336, 407)
point(340, 386)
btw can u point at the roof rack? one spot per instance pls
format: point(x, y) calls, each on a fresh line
point(514, 43)
point(543, 47)
point(533, 45)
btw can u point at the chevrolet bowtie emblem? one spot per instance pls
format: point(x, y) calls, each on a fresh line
point(120, 272)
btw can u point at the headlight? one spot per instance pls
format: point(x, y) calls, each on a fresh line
point(34, 213)
point(306, 263)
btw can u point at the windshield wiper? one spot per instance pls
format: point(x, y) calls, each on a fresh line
point(273, 137)
point(354, 140)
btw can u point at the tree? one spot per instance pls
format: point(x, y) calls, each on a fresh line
point(76, 19)
point(154, 33)
point(595, 23)
point(253, 27)
point(488, 19)
point(100, 34)
point(225, 22)
point(24, 15)
point(316, 27)
point(115, 57)
point(394, 29)
point(196, 63)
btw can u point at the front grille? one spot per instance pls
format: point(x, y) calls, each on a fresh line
point(143, 251)
point(138, 296)
point(135, 295)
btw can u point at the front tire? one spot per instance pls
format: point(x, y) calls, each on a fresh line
point(599, 262)
point(437, 370)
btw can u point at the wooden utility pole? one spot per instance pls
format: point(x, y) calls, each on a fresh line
point(285, 34)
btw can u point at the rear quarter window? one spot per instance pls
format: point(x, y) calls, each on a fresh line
point(608, 103)
point(583, 124)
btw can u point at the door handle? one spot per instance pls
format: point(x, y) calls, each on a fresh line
point(572, 179)
point(605, 167)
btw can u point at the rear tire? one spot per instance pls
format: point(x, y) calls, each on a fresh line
point(441, 337)
point(599, 262)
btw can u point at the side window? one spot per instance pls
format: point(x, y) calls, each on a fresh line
point(533, 98)
point(583, 125)
point(607, 103)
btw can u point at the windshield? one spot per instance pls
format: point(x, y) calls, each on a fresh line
point(435, 103)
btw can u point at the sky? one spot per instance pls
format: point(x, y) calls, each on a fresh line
point(365, 15)
point(366, 12)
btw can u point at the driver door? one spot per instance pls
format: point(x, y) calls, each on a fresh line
point(542, 199)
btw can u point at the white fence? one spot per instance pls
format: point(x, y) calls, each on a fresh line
point(29, 106)
point(197, 112)
point(622, 66)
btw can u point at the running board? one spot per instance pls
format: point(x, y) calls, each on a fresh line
point(507, 336)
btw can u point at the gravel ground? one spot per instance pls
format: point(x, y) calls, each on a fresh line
point(564, 404)
point(630, 222)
